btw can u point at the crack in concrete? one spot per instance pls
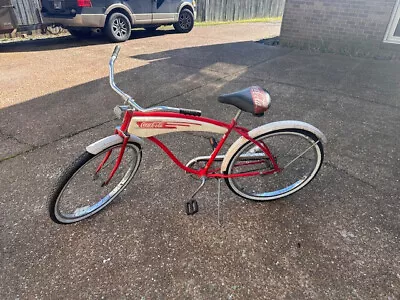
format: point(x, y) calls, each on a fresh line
point(337, 92)
point(95, 126)
point(9, 136)
point(56, 140)
point(244, 68)
point(336, 168)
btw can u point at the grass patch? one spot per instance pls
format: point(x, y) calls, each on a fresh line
point(257, 20)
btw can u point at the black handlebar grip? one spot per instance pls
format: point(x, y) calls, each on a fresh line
point(116, 51)
point(190, 112)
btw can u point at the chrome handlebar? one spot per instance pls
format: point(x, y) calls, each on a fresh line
point(128, 99)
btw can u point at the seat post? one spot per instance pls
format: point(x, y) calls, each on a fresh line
point(238, 115)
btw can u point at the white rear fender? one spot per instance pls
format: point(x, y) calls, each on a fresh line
point(110, 141)
point(269, 128)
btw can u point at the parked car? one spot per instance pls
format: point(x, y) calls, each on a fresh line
point(116, 18)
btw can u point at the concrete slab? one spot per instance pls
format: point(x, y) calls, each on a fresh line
point(338, 238)
point(10, 147)
point(39, 67)
point(63, 113)
point(334, 239)
point(375, 80)
point(357, 77)
point(223, 58)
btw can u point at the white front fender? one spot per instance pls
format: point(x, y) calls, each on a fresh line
point(269, 128)
point(110, 141)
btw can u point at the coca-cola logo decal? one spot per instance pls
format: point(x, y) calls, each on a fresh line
point(260, 99)
point(163, 124)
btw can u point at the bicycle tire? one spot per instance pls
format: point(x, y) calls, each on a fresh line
point(263, 193)
point(67, 179)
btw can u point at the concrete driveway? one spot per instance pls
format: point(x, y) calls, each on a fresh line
point(338, 238)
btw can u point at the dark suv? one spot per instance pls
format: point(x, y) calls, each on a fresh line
point(116, 18)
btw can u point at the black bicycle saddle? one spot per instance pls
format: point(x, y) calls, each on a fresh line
point(255, 100)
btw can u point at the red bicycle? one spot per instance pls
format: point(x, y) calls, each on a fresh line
point(269, 162)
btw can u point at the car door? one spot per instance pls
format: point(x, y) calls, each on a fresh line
point(165, 11)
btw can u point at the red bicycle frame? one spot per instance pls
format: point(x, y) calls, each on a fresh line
point(204, 172)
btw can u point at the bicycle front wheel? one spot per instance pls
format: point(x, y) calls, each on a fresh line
point(298, 153)
point(80, 192)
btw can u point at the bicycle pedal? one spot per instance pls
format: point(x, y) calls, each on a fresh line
point(213, 143)
point(192, 207)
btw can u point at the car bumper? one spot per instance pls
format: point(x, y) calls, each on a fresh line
point(81, 20)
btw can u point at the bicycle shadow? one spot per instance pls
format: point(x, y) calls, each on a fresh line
point(163, 81)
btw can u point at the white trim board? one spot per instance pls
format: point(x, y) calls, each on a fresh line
point(394, 21)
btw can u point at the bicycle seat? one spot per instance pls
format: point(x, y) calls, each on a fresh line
point(254, 100)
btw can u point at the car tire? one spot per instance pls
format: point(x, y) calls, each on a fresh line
point(185, 21)
point(118, 28)
point(80, 33)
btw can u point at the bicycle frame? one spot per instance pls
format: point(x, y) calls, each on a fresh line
point(176, 113)
point(203, 172)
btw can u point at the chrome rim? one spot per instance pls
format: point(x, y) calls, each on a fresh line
point(120, 27)
point(185, 20)
point(70, 211)
point(289, 180)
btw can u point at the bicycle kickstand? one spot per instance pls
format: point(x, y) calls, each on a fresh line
point(220, 218)
point(192, 206)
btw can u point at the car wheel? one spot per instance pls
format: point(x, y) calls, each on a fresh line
point(118, 28)
point(185, 22)
point(80, 33)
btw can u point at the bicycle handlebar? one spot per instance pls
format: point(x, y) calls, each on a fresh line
point(116, 52)
point(191, 112)
point(132, 102)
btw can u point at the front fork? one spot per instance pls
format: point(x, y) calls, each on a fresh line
point(119, 159)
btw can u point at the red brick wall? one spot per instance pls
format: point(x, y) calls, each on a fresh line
point(348, 26)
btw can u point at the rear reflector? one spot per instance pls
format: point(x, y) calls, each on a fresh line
point(84, 3)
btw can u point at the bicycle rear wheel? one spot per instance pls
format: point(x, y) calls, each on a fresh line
point(80, 193)
point(297, 152)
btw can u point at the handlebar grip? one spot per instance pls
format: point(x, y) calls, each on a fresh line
point(190, 112)
point(116, 51)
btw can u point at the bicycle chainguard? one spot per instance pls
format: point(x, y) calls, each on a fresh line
point(192, 207)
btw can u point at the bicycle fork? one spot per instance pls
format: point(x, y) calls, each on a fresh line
point(119, 159)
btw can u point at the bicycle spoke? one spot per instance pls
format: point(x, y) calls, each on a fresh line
point(286, 147)
point(83, 196)
point(312, 146)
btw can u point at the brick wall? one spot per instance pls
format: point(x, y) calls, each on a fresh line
point(347, 26)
